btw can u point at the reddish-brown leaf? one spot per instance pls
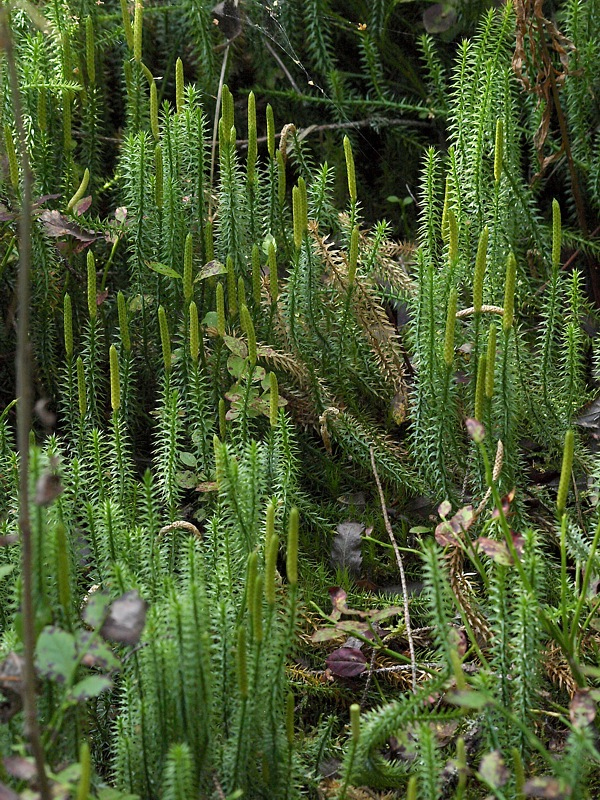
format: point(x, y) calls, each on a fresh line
point(347, 662)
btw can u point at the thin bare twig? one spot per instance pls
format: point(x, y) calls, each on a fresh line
point(368, 681)
point(286, 72)
point(24, 394)
point(371, 122)
point(388, 527)
point(216, 129)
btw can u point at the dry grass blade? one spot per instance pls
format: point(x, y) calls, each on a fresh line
point(388, 527)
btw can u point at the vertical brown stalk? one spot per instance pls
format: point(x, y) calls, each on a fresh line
point(24, 395)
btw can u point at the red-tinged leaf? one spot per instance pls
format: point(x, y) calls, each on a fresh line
point(463, 519)
point(23, 769)
point(57, 225)
point(506, 502)
point(39, 201)
point(101, 297)
point(550, 788)
point(458, 640)
point(82, 206)
point(475, 430)
point(445, 536)
point(497, 551)
point(518, 542)
point(6, 215)
point(6, 793)
point(126, 619)
point(9, 539)
point(347, 662)
point(338, 600)
point(47, 488)
point(444, 508)
point(444, 731)
point(327, 634)
point(492, 770)
point(582, 709)
point(233, 394)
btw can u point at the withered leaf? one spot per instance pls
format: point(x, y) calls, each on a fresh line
point(11, 684)
point(582, 709)
point(326, 635)
point(46, 417)
point(126, 619)
point(492, 769)
point(475, 430)
point(338, 600)
point(7, 793)
point(346, 547)
point(444, 508)
point(57, 225)
point(21, 768)
point(82, 206)
point(439, 18)
point(449, 531)
point(550, 788)
point(211, 269)
point(347, 662)
point(497, 551)
point(47, 488)
point(506, 501)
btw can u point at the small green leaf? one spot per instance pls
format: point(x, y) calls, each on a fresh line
point(468, 699)
point(94, 651)
point(236, 346)
point(188, 459)
point(55, 656)
point(5, 570)
point(236, 365)
point(91, 686)
point(186, 479)
point(163, 269)
point(210, 319)
point(267, 242)
point(96, 609)
point(108, 793)
point(327, 634)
